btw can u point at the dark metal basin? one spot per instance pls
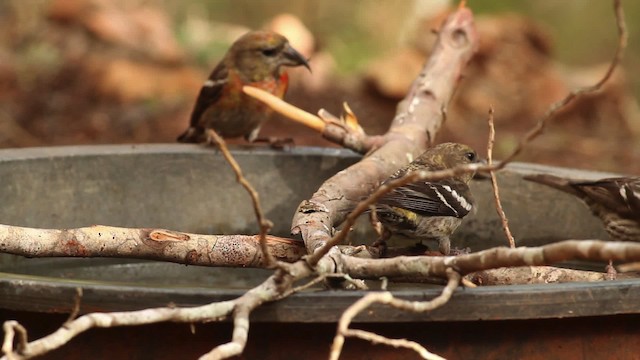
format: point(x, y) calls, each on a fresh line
point(191, 188)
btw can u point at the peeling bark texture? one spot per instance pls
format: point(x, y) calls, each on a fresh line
point(151, 244)
point(536, 275)
point(418, 118)
point(404, 267)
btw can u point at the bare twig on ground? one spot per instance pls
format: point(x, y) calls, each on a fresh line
point(634, 266)
point(494, 181)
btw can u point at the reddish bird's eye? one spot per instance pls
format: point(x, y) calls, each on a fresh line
point(270, 52)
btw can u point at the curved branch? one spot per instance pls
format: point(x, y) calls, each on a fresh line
point(388, 299)
point(105, 320)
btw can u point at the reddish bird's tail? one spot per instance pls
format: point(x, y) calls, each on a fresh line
point(191, 135)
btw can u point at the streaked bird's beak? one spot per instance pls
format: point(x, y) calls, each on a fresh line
point(294, 58)
point(482, 175)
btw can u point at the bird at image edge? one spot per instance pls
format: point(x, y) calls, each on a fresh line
point(616, 201)
point(255, 59)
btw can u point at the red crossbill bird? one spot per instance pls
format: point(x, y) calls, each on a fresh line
point(615, 201)
point(255, 59)
point(429, 210)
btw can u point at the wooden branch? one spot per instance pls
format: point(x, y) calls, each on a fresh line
point(287, 110)
point(150, 244)
point(436, 266)
point(532, 134)
point(537, 275)
point(343, 131)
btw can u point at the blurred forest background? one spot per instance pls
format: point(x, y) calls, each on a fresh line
point(128, 71)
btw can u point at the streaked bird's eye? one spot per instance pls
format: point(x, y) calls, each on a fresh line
point(471, 156)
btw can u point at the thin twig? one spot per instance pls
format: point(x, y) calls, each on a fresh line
point(559, 105)
point(453, 281)
point(76, 306)
point(494, 181)
point(387, 298)
point(348, 315)
point(10, 328)
point(319, 279)
point(239, 336)
point(264, 224)
point(314, 281)
point(633, 266)
point(375, 223)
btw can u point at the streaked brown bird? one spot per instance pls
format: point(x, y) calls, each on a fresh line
point(429, 210)
point(255, 59)
point(616, 201)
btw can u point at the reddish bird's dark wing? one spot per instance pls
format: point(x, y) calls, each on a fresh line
point(210, 92)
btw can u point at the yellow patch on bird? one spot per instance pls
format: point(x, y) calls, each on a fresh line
point(410, 215)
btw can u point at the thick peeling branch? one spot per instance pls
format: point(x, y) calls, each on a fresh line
point(151, 244)
point(538, 275)
point(429, 266)
point(418, 118)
